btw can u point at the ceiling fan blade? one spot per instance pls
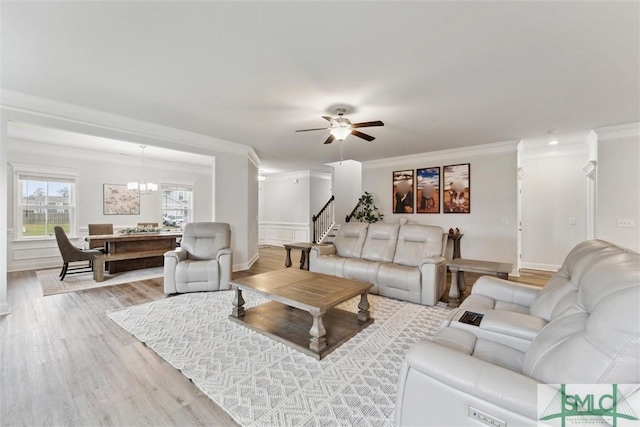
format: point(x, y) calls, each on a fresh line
point(309, 130)
point(330, 139)
point(367, 124)
point(327, 118)
point(362, 135)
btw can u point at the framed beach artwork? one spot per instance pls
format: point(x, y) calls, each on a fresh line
point(117, 199)
point(457, 188)
point(428, 190)
point(403, 191)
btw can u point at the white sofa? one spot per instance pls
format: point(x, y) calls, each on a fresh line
point(203, 262)
point(590, 334)
point(402, 261)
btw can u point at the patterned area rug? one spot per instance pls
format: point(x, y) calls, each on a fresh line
point(51, 284)
point(261, 382)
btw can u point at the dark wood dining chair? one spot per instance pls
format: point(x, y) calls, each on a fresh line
point(72, 254)
point(99, 230)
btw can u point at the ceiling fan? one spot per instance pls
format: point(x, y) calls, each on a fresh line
point(341, 127)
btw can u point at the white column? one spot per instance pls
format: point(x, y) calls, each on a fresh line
point(4, 304)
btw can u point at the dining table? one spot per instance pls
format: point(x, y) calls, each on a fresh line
point(134, 243)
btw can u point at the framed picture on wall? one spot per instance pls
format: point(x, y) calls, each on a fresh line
point(428, 190)
point(403, 191)
point(457, 188)
point(117, 199)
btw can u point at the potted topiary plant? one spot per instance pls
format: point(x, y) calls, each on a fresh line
point(368, 211)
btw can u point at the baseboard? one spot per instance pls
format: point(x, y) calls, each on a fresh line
point(538, 266)
point(246, 265)
point(4, 309)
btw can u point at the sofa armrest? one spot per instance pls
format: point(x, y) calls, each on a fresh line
point(433, 260)
point(171, 260)
point(319, 250)
point(511, 323)
point(472, 376)
point(225, 262)
point(505, 290)
point(433, 272)
point(178, 254)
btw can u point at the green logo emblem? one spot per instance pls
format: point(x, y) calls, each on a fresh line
point(593, 405)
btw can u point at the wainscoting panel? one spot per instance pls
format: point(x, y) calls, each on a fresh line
point(279, 233)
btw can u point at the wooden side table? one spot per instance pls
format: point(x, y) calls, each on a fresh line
point(456, 244)
point(305, 249)
point(459, 265)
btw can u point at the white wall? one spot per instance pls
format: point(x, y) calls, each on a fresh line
point(618, 183)
point(95, 169)
point(4, 304)
point(554, 189)
point(493, 197)
point(237, 204)
point(287, 203)
point(346, 186)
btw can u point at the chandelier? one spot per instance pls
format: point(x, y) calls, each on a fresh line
point(143, 187)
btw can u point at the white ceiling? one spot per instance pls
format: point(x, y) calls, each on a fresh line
point(28, 132)
point(439, 74)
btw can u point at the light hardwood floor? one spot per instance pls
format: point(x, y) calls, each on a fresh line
point(63, 362)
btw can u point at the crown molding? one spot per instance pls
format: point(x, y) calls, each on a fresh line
point(474, 150)
point(58, 114)
point(626, 130)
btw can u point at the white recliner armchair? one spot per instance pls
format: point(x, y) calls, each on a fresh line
point(203, 262)
point(591, 335)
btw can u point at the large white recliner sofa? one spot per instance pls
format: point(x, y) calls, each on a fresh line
point(402, 261)
point(589, 317)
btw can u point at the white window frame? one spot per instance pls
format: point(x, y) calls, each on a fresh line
point(46, 173)
point(179, 185)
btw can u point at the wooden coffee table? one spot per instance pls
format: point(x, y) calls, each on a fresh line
point(302, 312)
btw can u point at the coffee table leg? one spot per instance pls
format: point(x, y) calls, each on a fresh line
point(238, 304)
point(462, 285)
point(306, 259)
point(454, 290)
point(318, 342)
point(287, 261)
point(363, 314)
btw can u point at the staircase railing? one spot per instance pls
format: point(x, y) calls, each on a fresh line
point(323, 220)
point(359, 207)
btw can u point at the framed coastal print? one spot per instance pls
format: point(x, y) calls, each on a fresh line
point(403, 191)
point(457, 189)
point(428, 190)
point(117, 199)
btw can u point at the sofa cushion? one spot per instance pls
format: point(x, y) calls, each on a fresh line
point(381, 241)
point(568, 277)
point(499, 354)
point(399, 281)
point(599, 330)
point(196, 271)
point(360, 269)
point(203, 240)
point(332, 265)
point(417, 242)
point(350, 239)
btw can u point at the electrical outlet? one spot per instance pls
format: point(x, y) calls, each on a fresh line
point(504, 220)
point(572, 220)
point(485, 418)
point(625, 223)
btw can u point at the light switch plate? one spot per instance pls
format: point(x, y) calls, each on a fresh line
point(624, 223)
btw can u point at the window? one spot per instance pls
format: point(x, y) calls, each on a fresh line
point(44, 201)
point(177, 204)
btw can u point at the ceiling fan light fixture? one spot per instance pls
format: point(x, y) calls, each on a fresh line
point(340, 133)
